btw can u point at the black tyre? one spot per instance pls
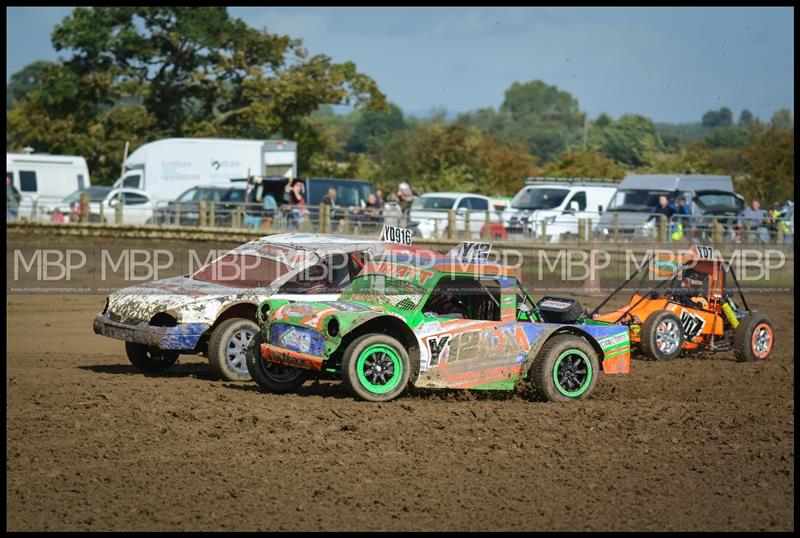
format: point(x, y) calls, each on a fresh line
point(753, 339)
point(227, 348)
point(270, 376)
point(150, 359)
point(662, 336)
point(565, 369)
point(376, 368)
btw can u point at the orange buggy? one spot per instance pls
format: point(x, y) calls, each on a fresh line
point(691, 310)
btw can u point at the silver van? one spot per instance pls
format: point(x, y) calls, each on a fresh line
point(636, 198)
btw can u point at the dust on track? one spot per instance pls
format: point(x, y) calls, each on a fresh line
point(694, 444)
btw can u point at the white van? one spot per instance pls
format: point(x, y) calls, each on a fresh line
point(166, 168)
point(559, 203)
point(43, 179)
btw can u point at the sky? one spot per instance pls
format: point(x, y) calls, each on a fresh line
point(669, 64)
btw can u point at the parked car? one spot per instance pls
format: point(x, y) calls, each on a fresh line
point(224, 197)
point(212, 311)
point(707, 197)
point(138, 207)
point(430, 213)
point(96, 194)
point(444, 324)
point(559, 204)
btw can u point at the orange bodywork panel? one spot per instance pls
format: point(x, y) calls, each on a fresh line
point(288, 357)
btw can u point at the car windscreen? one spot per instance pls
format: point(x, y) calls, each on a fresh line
point(384, 290)
point(96, 194)
point(242, 271)
point(348, 193)
point(433, 202)
point(718, 201)
point(197, 194)
point(539, 198)
point(635, 200)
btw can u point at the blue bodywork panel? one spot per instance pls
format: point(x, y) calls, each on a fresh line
point(182, 336)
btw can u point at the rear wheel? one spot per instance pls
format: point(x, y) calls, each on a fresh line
point(150, 359)
point(662, 336)
point(376, 368)
point(271, 376)
point(565, 369)
point(753, 339)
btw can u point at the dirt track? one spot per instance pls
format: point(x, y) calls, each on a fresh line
point(694, 444)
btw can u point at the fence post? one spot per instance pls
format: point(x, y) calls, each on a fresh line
point(662, 228)
point(615, 227)
point(436, 228)
point(346, 221)
point(212, 214)
point(323, 218)
point(544, 231)
point(118, 210)
point(201, 213)
point(487, 226)
point(581, 230)
point(717, 231)
point(84, 208)
point(102, 214)
point(451, 224)
point(178, 214)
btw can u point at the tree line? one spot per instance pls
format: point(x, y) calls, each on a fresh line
point(143, 73)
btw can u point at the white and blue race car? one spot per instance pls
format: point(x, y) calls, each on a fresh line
point(213, 310)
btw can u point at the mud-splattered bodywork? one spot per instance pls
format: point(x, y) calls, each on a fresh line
point(175, 313)
point(455, 353)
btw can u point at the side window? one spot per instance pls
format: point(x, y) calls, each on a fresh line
point(134, 199)
point(464, 204)
point(480, 203)
point(27, 181)
point(579, 197)
point(328, 276)
point(465, 297)
point(81, 182)
point(132, 182)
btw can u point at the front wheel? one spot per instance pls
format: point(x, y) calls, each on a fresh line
point(753, 339)
point(150, 359)
point(376, 368)
point(662, 336)
point(564, 370)
point(271, 376)
point(227, 347)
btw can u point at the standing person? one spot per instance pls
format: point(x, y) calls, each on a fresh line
point(294, 199)
point(662, 208)
point(13, 199)
point(405, 197)
point(681, 219)
point(379, 197)
point(330, 200)
point(755, 220)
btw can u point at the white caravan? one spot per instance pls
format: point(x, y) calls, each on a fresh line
point(166, 168)
point(42, 179)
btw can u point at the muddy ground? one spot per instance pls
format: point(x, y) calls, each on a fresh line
point(700, 443)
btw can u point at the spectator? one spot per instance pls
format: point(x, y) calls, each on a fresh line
point(330, 200)
point(405, 197)
point(372, 211)
point(295, 209)
point(13, 198)
point(755, 221)
point(58, 216)
point(379, 196)
point(681, 218)
point(662, 208)
point(75, 212)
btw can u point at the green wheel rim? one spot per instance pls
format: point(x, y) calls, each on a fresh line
point(576, 375)
point(379, 368)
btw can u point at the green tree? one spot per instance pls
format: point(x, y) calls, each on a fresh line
point(746, 118)
point(728, 137)
point(629, 140)
point(191, 71)
point(782, 120)
point(374, 126)
point(588, 163)
point(769, 166)
point(24, 81)
point(718, 118)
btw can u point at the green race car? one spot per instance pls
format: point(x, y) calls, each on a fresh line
point(447, 324)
